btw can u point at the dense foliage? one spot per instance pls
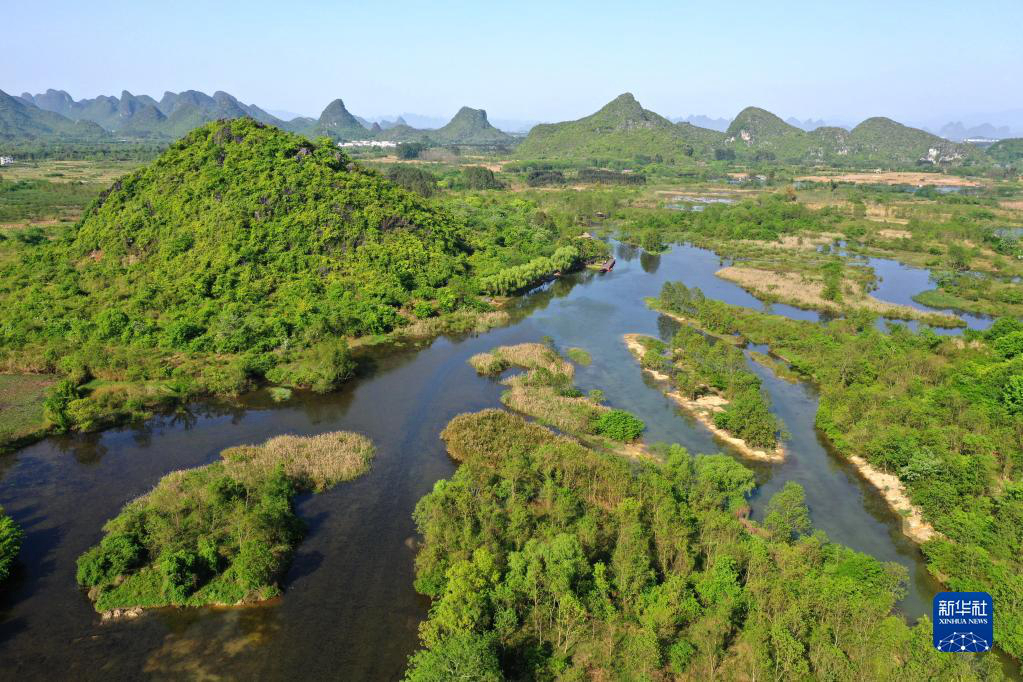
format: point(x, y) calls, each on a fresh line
point(945, 416)
point(10, 542)
point(516, 278)
point(240, 238)
point(619, 425)
point(413, 179)
point(478, 177)
point(546, 560)
point(218, 534)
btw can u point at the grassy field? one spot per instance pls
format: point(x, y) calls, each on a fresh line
point(21, 407)
point(52, 192)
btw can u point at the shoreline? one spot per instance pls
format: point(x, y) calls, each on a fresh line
point(701, 409)
point(894, 493)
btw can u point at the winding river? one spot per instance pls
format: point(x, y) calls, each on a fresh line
point(349, 608)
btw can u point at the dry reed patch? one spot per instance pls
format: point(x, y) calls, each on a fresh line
point(893, 178)
point(461, 321)
point(1012, 205)
point(567, 413)
point(801, 291)
point(896, 234)
point(488, 364)
point(796, 242)
point(528, 356)
point(319, 462)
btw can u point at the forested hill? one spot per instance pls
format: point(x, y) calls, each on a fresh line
point(624, 130)
point(242, 234)
point(620, 129)
point(241, 249)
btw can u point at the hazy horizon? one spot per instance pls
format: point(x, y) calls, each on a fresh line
point(538, 62)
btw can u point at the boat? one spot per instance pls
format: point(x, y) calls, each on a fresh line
point(606, 267)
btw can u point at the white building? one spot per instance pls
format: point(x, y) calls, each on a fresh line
point(368, 143)
point(6, 160)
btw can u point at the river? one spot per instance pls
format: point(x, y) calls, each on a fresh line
point(349, 610)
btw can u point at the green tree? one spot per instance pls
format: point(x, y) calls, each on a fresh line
point(787, 515)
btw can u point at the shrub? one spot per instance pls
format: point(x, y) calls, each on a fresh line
point(410, 150)
point(10, 542)
point(478, 177)
point(322, 369)
point(541, 178)
point(1010, 345)
point(619, 425)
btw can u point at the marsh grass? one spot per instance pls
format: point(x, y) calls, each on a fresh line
point(313, 462)
point(21, 407)
point(527, 356)
point(579, 356)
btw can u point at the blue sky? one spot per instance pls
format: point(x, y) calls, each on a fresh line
point(915, 61)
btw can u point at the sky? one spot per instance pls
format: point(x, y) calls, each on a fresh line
point(922, 62)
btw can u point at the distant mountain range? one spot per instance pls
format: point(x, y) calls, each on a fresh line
point(623, 129)
point(959, 132)
point(21, 121)
point(718, 124)
point(54, 114)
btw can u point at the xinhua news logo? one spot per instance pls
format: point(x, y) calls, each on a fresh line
point(963, 622)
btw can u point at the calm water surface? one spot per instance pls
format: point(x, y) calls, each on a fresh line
point(349, 609)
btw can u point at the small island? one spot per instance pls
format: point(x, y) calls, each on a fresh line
point(220, 534)
point(711, 383)
point(545, 391)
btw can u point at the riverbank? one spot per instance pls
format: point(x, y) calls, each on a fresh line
point(894, 493)
point(703, 409)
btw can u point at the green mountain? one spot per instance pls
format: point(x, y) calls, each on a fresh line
point(21, 121)
point(470, 126)
point(756, 126)
point(240, 240)
point(336, 122)
point(622, 129)
point(885, 140)
point(1008, 151)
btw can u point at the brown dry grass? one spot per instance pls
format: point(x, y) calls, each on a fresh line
point(799, 290)
point(794, 242)
point(318, 461)
point(460, 321)
point(894, 178)
point(528, 356)
point(571, 415)
point(896, 234)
